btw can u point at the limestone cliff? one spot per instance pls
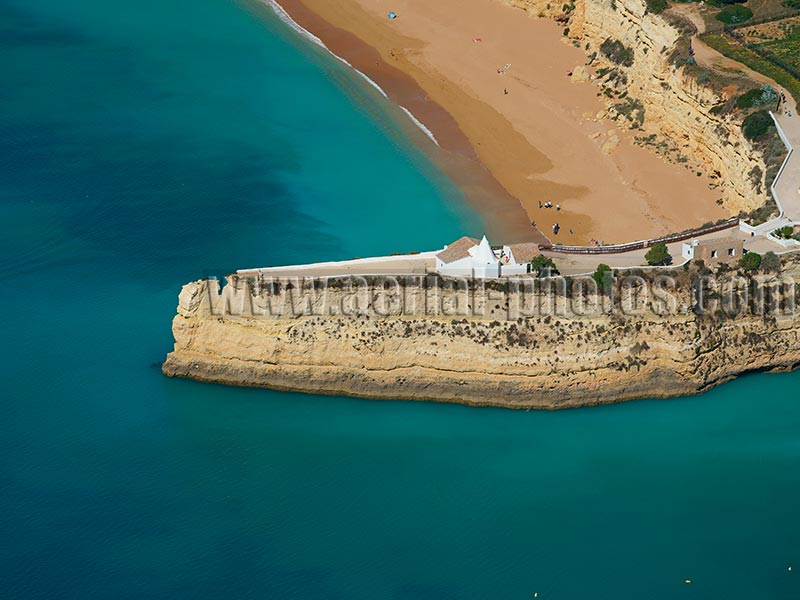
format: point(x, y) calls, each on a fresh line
point(539, 344)
point(677, 104)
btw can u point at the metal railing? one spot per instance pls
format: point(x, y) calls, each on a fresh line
point(643, 244)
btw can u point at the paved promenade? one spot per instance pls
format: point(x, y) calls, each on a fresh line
point(787, 187)
point(578, 264)
point(407, 264)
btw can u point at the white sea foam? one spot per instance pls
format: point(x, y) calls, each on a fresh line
point(286, 18)
point(420, 124)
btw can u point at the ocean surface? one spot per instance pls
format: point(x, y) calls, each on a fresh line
point(144, 144)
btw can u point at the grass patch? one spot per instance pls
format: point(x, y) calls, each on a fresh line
point(784, 49)
point(737, 52)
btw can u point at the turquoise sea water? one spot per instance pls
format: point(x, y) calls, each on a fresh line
point(143, 144)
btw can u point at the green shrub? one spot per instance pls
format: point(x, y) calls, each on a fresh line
point(658, 255)
point(771, 262)
point(757, 124)
point(656, 6)
point(750, 261)
point(604, 277)
point(784, 232)
point(616, 52)
point(542, 262)
point(768, 95)
point(632, 109)
point(795, 4)
point(736, 13)
point(762, 96)
point(749, 99)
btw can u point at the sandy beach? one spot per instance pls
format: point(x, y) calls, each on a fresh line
point(533, 127)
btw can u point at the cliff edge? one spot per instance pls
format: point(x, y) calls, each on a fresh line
point(534, 343)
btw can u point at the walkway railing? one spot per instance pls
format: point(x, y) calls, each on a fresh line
point(642, 244)
point(790, 150)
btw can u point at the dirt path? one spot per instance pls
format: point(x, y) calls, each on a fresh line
point(710, 58)
point(691, 12)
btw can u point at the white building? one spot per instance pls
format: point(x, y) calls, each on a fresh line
point(468, 257)
point(715, 250)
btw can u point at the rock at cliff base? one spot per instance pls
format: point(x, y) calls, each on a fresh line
point(580, 74)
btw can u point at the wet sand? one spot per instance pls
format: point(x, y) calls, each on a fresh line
point(502, 214)
point(541, 141)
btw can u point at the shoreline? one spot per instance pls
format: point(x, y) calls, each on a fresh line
point(544, 141)
point(503, 215)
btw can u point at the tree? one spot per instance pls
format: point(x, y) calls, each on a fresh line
point(604, 277)
point(750, 261)
point(757, 124)
point(771, 262)
point(658, 255)
point(541, 262)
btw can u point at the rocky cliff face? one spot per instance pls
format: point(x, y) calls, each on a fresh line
point(677, 103)
point(534, 345)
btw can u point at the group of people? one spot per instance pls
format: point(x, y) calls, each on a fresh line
point(781, 101)
point(549, 205)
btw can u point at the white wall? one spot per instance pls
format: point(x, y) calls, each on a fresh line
point(514, 269)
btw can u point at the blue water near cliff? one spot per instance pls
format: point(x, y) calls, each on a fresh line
point(143, 144)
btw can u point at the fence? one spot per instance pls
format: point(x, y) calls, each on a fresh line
point(641, 245)
point(729, 27)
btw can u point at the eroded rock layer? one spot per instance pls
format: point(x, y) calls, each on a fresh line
point(677, 104)
point(538, 344)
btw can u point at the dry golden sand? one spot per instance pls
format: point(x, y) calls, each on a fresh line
point(541, 141)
